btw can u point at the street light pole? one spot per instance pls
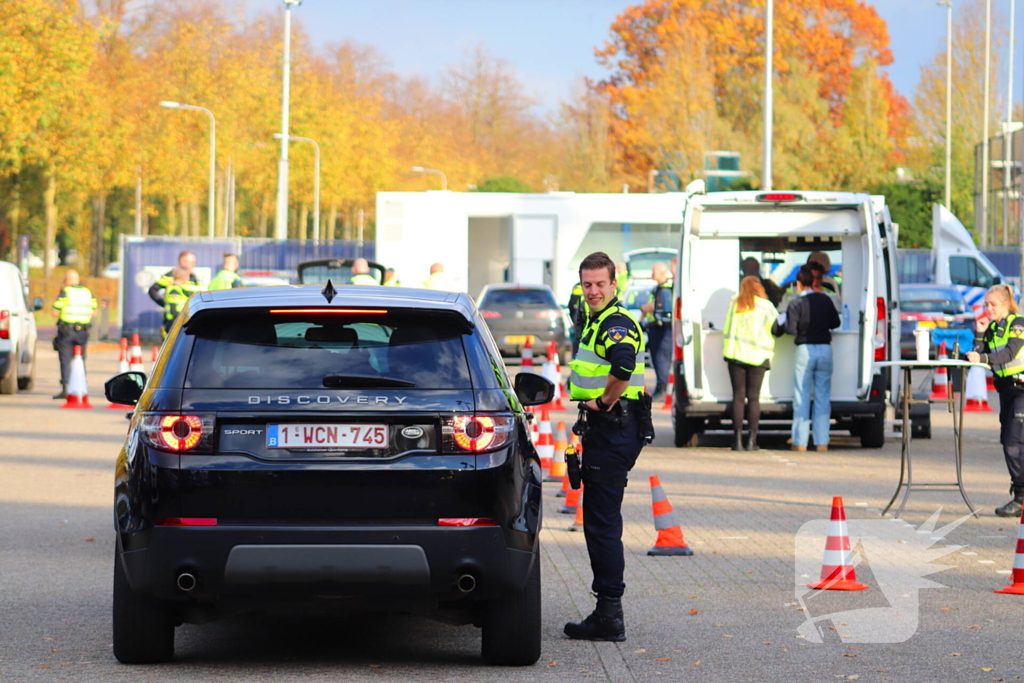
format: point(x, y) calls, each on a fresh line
point(422, 169)
point(949, 101)
point(316, 181)
point(766, 161)
point(984, 125)
point(212, 199)
point(281, 216)
point(1008, 137)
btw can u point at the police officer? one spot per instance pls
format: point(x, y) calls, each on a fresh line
point(175, 296)
point(1000, 343)
point(228, 277)
point(659, 327)
point(187, 262)
point(361, 273)
point(608, 378)
point(438, 279)
point(390, 279)
point(74, 308)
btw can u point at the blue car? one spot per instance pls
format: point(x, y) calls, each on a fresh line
point(933, 306)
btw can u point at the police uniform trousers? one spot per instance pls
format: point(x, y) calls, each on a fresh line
point(659, 344)
point(609, 453)
point(69, 335)
point(1011, 432)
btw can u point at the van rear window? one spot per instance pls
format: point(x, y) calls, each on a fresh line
point(308, 350)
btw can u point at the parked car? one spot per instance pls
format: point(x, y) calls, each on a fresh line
point(934, 306)
point(357, 451)
point(113, 270)
point(17, 331)
point(516, 314)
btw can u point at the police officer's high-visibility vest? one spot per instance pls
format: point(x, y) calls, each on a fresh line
point(225, 279)
point(76, 305)
point(1000, 339)
point(748, 335)
point(363, 279)
point(438, 281)
point(175, 297)
point(660, 314)
point(589, 368)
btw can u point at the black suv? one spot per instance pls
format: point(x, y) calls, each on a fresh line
point(358, 450)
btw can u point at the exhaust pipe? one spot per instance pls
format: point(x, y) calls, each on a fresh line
point(466, 583)
point(187, 582)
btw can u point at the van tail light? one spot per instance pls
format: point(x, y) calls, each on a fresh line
point(476, 433)
point(677, 324)
point(881, 330)
point(187, 521)
point(5, 324)
point(177, 433)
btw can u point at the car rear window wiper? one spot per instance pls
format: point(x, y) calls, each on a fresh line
point(334, 381)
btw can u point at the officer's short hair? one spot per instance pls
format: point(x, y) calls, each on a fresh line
point(805, 276)
point(596, 261)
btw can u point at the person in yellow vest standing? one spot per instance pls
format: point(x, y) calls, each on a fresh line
point(390, 279)
point(175, 296)
point(748, 349)
point(74, 308)
point(1000, 343)
point(438, 279)
point(228, 277)
point(361, 273)
point(608, 380)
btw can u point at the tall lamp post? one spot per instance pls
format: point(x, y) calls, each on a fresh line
point(281, 215)
point(316, 180)
point(212, 200)
point(985, 166)
point(421, 169)
point(949, 101)
point(766, 161)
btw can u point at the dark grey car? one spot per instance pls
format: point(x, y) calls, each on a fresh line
point(515, 313)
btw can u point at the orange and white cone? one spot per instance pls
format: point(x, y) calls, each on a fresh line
point(564, 491)
point(837, 570)
point(527, 359)
point(78, 388)
point(572, 499)
point(669, 391)
point(990, 381)
point(1017, 574)
point(940, 380)
point(152, 358)
point(670, 539)
point(135, 357)
point(977, 396)
point(577, 522)
point(558, 467)
point(534, 434)
point(546, 442)
point(122, 359)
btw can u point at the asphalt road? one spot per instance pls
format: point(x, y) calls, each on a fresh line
point(735, 611)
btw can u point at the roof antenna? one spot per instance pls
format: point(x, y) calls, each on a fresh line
point(329, 291)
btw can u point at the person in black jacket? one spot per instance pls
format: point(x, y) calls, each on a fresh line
point(810, 318)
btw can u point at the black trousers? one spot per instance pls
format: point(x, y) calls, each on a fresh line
point(609, 453)
point(65, 342)
point(1011, 433)
point(746, 385)
point(659, 343)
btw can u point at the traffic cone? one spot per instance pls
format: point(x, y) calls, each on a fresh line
point(670, 539)
point(552, 351)
point(78, 389)
point(527, 361)
point(1017, 575)
point(534, 434)
point(572, 500)
point(558, 468)
point(135, 357)
point(940, 379)
point(564, 491)
point(990, 381)
point(546, 441)
point(122, 360)
point(977, 397)
point(577, 522)
point(837, 570)
point(152, 358)
point(669, 391)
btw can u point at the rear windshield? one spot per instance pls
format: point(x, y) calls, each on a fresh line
point(337, 272)
point(308, 350)
point(519, 297)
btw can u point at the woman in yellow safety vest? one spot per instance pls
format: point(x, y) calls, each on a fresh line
point(748, 350)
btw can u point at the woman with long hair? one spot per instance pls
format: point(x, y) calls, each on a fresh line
point(749, 347)
point(1000, 344)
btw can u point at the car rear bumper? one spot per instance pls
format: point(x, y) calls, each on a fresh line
point(254, 562)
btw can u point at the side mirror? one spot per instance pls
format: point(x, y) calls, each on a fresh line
point(37, 303)
point(126, 388)
point(534, 390)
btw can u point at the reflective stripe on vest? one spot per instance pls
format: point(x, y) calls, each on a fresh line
point(225, 279)
point(590, 370)
point(175, 297)
point(748, 335)
point(76, 306)
point(1015, 366)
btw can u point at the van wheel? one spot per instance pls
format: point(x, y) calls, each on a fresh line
point(921, 428)
point(872, 434)
point(28, 383)
point(688, 431)
point(143, 630)
point(9, 385)
point(511, 625)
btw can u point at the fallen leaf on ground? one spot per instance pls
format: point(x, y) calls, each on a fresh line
point(662, 659)
point(847, 654)
point(552, 663)
point(639, 652)
point(695, 611)
point(954, 654)
point(89, 539)
point(693, 596)
point(766, 643)
point(986, 668)
point(697, 663)
point(727, 636)
point(945, 609)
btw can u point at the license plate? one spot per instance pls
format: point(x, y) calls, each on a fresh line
point(327, 436)
point(933, 323)
point(519, 339)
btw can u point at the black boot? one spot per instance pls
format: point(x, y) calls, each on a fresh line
point(1014, 507)
point(604, 623)
point(659, 392)
point(752, 441)
point(63, 393)
point(737, 442)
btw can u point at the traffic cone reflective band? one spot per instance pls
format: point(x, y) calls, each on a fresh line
point(527, 361)
point(977, 396)
point(572, 499)
point(122, 359)
point(670, 539)
point(545, 443)
point(78, 390)
point(577, 522)
point(534, 434)
point(940, 379)
point(1017, 575)
point(551, 374)
point(558, 469)
point(669, 391)
point(135, 357)
point(552, 349)
point(837, 570)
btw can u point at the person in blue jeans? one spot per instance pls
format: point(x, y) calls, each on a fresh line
point(810, 318)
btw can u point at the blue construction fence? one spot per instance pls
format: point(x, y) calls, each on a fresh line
point(145, 259)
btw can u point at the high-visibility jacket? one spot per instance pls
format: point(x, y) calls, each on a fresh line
point(661, 296)
point(363, 279)
point(175, 297)
point(997, 337)
point(225, 279)
point(621, 283)
point(75, 304)
point(590, 370)
point(439, 281)
point(393, 282)
point(748, 335)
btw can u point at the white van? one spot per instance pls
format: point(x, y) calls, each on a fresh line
point(780, 229)
point(957, 261)
point(17, 332)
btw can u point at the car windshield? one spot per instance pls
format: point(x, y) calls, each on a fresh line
point(640, 265)
point(932, 301)
point(519, 297)
point(296, 349)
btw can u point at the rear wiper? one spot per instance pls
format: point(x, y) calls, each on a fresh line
point(334, 381)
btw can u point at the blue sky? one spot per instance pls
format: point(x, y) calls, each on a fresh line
point(550, 42)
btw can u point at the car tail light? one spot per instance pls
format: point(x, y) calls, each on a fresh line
point(779, 197)
point(550, 315)
point(491, 314)
point(187, 521)
point(177, 433)
point(5, 324)
point(476, 433)
point(881, 330)
point(466, 521)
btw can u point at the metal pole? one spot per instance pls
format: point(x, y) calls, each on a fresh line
point(949, 103)
point(138, 205)
point(984, 126)
point(766, 164)
point(281, 217)
point(1007, 146)
point(359, 217)
point(211, 198)
point(316, 190)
